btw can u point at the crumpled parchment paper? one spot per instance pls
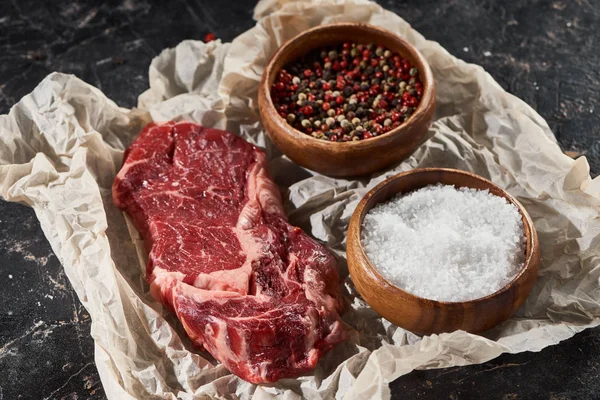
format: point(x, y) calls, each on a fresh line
point(61, 146)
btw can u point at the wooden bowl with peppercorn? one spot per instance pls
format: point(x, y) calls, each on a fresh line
point(347, 99)
point(425, 315)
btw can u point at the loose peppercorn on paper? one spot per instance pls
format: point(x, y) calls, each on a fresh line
point(61, 146)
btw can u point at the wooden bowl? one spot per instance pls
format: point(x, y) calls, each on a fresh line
point(345, 159)
point(425, 316)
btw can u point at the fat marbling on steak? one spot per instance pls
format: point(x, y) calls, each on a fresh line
point(258, 293)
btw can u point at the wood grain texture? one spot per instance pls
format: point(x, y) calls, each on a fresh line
point(345, 159)
point(425, 316)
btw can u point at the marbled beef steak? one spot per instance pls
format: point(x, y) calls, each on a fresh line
point(259, 294)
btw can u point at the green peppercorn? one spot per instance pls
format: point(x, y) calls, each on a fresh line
point(330, 121)
point(295, 80)
point(387, 54)
point(333, 54)
point(306, 123)
point(379, 51)
point(290, 118)
point(356, 121)
point(363, 64)
point(331, 112)
point(345, 124)
point(413, 71)
point(387, 122)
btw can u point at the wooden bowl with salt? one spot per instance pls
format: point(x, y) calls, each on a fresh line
point(354, 158)
point(426, 316)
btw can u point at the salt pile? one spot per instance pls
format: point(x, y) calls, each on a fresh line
point(447, 244)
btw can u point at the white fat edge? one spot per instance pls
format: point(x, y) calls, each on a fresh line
point(252, 248)
point(127, 166)
point(201, 295)
point(260, 190)
point(262, 369)
point(164, 281)
point(235, 279)
point(268, 192)
point(220, 343)
point(318, 297)
point(311, 320)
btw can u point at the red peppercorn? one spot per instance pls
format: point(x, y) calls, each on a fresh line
point(279, 86)
point(344, 64)
point(366, 53)
point(325, 106)
point(382, 104)
point(209, 37)
point(326, 86)
point(347, 45)
point(367, 135)
point(406, 95)
point(283, 77)
point(336, 66)
point(339, 99)
point(308, 73)
point(308, 110)
point(333, 138)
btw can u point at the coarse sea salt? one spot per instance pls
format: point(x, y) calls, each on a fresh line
point(446, 244)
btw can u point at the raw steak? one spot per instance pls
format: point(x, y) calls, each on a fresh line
point(259, 294)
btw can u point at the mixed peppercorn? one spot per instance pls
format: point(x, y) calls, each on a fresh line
point(347, 92)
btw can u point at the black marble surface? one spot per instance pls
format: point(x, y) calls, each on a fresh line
point(542, 51)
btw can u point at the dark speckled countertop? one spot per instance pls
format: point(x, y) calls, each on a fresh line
point(542, 51)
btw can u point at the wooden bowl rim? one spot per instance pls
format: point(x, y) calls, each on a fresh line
point(531, 239)
point(414, 119)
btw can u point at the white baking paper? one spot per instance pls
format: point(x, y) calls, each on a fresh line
point(61, 146)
